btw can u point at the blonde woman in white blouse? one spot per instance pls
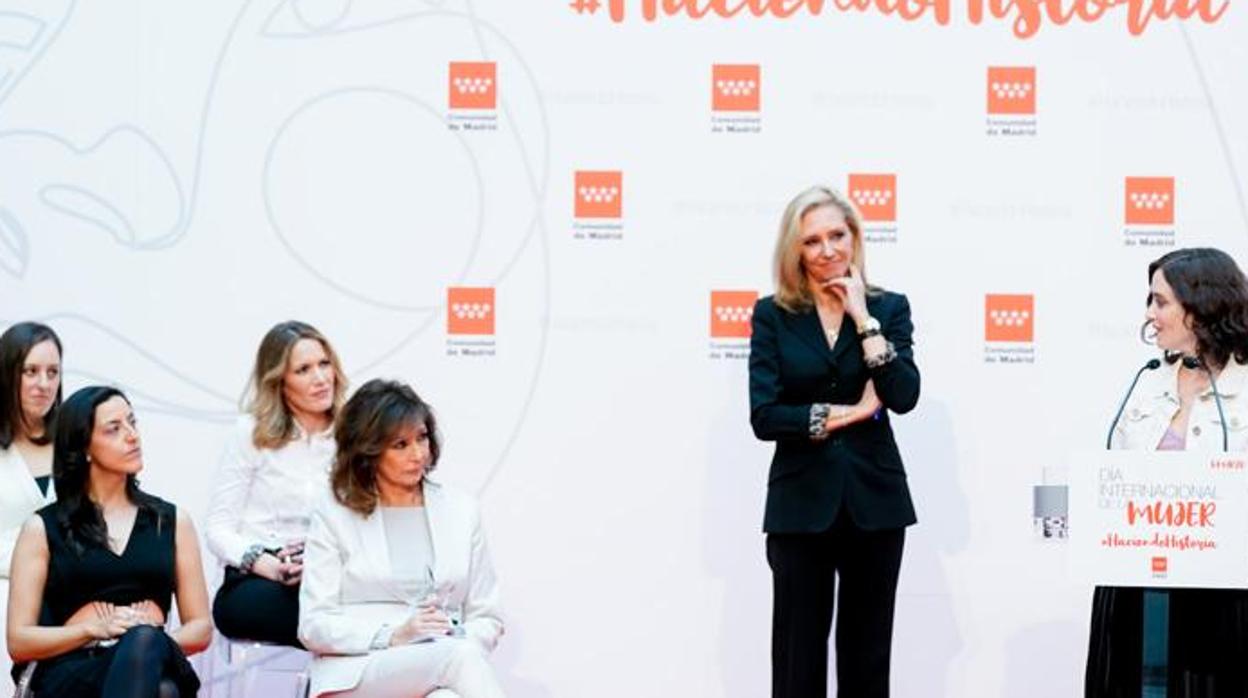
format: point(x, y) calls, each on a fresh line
point(272, 468)
point(30, 392)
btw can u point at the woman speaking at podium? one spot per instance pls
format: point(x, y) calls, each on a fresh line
point(1198, 308)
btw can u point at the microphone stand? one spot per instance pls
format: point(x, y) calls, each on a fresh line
point(1152, 365)
point(1193, 362)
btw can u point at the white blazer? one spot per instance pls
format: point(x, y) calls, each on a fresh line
point(348, 590)
point(1155, 401)
point(19, 498)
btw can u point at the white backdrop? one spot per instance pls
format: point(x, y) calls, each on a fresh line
point(177, 177)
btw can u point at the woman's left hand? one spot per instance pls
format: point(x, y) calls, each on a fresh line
point(146, 612)
point(845, 415)
point(852, 292)
point(291, 557)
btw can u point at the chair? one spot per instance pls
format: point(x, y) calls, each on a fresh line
point(245, 660)
point(23, 682)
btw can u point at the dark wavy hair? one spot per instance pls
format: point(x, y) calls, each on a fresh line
point(1214, 292)
point(78, 515)
point(364, 429)
point(15, 344)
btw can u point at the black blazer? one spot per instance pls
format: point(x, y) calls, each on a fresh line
point(858, 467)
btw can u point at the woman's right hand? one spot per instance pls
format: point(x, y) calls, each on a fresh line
point(272, 568)
point(427, 621)
point(870, 403)
point(104, 621)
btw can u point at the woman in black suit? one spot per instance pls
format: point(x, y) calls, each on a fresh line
point(830, 356)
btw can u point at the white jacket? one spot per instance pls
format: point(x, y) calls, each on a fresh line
point(19, 498)
point(348, 591)
point(1155, 401)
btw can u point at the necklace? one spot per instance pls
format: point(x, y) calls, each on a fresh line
point(832, 333)
point(827, 316)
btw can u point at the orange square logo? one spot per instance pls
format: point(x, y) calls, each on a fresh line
point(735, 87)
point(875, 195)
point(1009, 318)
point(1149, 201)
point(470, 311)
point(473, 85)
point(599, 194)
point(731, 312)
point(1160, 565)
point(1012, 90)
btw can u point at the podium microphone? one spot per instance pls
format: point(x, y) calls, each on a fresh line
point(1193, 363)
point(1152, 365)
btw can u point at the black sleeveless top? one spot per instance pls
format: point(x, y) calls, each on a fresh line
point(144, 569)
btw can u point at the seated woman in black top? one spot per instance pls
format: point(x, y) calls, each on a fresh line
point(102, 562)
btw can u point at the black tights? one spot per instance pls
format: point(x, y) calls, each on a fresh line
point(136, 667)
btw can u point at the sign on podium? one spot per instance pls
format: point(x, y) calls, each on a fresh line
point(1159, 519)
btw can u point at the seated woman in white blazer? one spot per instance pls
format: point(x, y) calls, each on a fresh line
point(399, 596)
point(30, 394)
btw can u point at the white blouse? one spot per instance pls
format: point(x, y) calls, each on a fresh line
point(265, 496)
point(19, 498)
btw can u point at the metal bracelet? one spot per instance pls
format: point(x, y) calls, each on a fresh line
point(868, 334)
point(819, 412)
point(250, 557)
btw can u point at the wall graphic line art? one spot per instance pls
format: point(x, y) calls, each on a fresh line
point(535, 183)
point(39, 38)
point(55, 319)
point(537, 187)
point(92, 207)
point(1228, 157)
point(14, 245)
point(324, 277)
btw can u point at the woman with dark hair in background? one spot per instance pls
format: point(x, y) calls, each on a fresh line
point(399, 598)
point(1198, 307)
point(103, 562)
point(30, 393)
point(830, 357)
point(272, 468)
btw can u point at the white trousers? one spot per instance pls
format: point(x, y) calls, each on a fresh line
point(450, 668)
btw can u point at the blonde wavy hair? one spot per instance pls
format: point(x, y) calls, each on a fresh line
point(792, 290)
point(275, 425)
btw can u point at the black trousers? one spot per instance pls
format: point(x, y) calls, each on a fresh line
point(248, 607)
point(145, 663)
point(805, 570)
